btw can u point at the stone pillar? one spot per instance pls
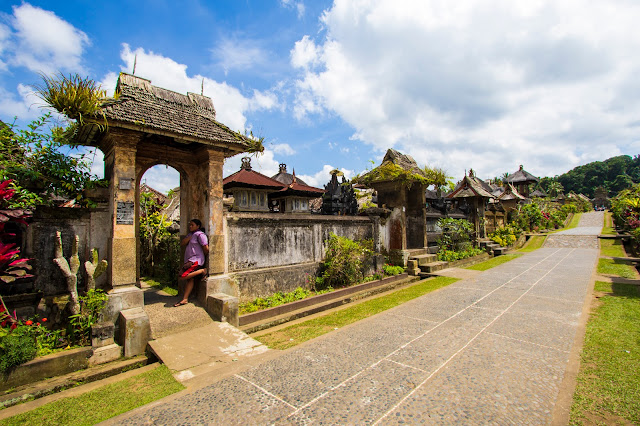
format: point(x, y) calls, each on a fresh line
point(125, 306)
point(214, 211)
point(120, 158)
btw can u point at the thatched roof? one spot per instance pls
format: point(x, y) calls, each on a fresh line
point(510, 193)
point(286, 178)
point(471, 186)
point(154, 110)
point(521, 176)
point(395, 167)
point(538, 193)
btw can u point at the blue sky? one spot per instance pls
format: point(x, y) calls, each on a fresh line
point(487, 85)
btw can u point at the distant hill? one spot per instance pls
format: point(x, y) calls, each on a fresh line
point(615, 174)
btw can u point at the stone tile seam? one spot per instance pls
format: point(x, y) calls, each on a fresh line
point(265, 391)
point(444, 364)
point(343, 383)
point(527, 342)
point(405, 365)
point(413, 318)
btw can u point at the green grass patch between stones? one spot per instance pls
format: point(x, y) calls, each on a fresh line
point(619, 268)
point(307, 330)
point(493, 262)
point(608, 384)
point(168, 288)
point(102, 403)
point(612, 248)
point(534, 243)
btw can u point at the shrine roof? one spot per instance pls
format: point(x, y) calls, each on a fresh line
point(510, 193)
point(144, 107)
point(471, 186)
point(246, 178)
point(286, 178)
point(395, 166)
point(296, 188)
point(538, 193)
point(521, 176)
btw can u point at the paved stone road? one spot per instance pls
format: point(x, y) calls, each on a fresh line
point(489, 349)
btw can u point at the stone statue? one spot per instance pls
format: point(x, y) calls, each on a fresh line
point(69, 269)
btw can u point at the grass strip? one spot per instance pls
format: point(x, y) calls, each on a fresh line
point(612, 248)
point(493, 262)
point(608, 224)
point(102, 403)
point(574, 221)
point(534, 243)
point(616, 267)
point(307, 330)
point(608, 384)
point(162, 286)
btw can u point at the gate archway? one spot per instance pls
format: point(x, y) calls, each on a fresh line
point(148, 125)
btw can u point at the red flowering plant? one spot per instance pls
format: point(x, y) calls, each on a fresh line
point(12, 266)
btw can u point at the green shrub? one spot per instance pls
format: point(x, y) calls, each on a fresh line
point(452, 255)
point(344, 262)
point(17, 346)
point(456, 234)
point(80, 324)
point(392, 270)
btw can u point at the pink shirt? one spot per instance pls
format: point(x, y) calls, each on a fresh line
point(194, 251)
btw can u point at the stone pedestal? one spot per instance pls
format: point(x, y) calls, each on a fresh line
point(216, 284)
point(125, 310)
point(223, 308)
point(412, 267)
point(134, 331)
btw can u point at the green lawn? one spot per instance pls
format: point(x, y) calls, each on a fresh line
point(534, 243)
point(307, 330)
point(102, 403)
point(493, 262)
point(612, 248)
point(608, 385)
point(616, 267)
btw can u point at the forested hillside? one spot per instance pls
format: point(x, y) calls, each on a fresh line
point(615, 174)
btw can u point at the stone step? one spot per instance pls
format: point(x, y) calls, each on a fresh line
point(425, 259)
point(433, 249)
point(417, 252)
point(498, 251)
point(434, 266)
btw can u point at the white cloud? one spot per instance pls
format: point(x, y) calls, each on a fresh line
point(283, 148)
point(321, 178)
point(297, 5)
point(239, 54)
point(488, 85)
point(161, 178)
point(229, 102)
point(45, 42)
point(265, 163)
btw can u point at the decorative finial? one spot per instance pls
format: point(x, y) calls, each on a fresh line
point(135, 61)
point(202, 87)
point(246, 163)
point(283, 168)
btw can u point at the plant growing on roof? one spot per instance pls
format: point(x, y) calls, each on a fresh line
point(75, 97)
point(389, 171)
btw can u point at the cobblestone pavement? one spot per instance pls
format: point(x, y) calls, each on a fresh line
point(488, 349)
point(585, 235)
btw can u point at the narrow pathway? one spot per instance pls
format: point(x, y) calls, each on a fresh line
point(488, 349)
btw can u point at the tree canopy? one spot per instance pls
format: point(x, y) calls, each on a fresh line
point(614, 174)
